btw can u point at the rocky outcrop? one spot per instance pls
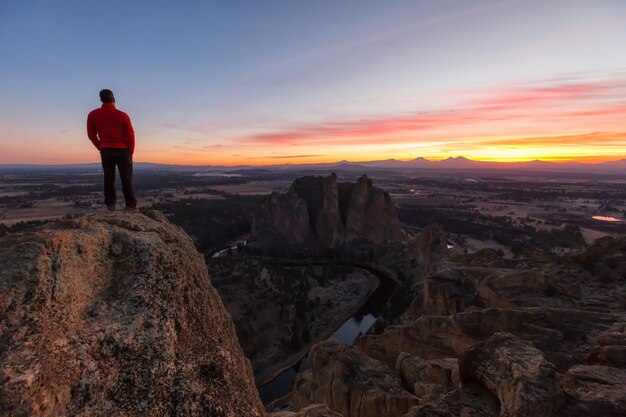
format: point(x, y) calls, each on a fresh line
point(350, 383)
point(502, 376)
point(516, 372)
point(605, 260)
point(371, 215)
point(428, 379)
point(456, 289)
point(533, 337)
point(611, 349)
point(430, 246)
point(563, 335)
point(114, 314)
point(320, 212)
point(595, 391)
point(472, 401)
point(282, 215)
point(315, 410)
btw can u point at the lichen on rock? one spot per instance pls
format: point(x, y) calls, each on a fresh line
point(114, 314)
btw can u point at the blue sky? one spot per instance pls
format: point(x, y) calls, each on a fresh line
point(201, 80)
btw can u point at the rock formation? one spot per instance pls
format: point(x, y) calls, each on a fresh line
point(315, 410)
point(430, 246)
point(532, 337)
point(595, 391)
point(114, 314)
point(516, 372)
point(320, 212)
point(350, 383)
point(428, 379)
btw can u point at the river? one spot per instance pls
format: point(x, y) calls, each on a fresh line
point(359, 323)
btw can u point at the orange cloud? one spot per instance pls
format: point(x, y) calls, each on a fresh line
point(588, 115)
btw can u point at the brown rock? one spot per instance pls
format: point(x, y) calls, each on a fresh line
point(612, 349)
point(607, 355)
point(431, 247)
point(561, 334)
point(463, 402)
point(329, 227)
point(595, 391)
point(606, 260)
point(371, 215)
point(516, 372)
point(319, 212)
point(615, 335)
point(315, 410)
point(282, 219)
point(114, 314)
point(428, 379)
point(350, 383)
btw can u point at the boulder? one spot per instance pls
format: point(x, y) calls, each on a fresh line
point(114, 314)
point(516, 372)
point(428, 379)
point(595, 391)
point(612, 347)
point(469, 401)
point(315, 410)
point(350, 383)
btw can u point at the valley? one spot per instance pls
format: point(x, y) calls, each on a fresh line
point(386, 286)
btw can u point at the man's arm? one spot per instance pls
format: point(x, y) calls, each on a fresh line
point(130, 134)
point(92, 132)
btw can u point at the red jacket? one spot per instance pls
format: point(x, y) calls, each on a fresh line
point(108, 127)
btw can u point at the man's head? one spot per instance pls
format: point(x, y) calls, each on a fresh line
point(106, 96)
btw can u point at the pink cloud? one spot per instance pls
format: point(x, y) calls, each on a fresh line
point(509, 110)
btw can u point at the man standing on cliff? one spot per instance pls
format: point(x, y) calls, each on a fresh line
point(111, 132)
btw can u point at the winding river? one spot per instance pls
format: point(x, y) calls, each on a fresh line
point(359, 323)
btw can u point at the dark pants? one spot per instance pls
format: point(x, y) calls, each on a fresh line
point(123, 160)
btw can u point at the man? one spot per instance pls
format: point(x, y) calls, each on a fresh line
point(111, 132)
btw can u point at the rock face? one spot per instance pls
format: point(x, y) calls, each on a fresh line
point(315, 410)
point(320, 212)
point(430, 247)
point(433, 337)
point(350, 383)
point(428, 379)
point(114, 314)
point(595, 391)
point(516, 372)
point(489, 337)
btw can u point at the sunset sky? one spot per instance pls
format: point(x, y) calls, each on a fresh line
point(272, 82)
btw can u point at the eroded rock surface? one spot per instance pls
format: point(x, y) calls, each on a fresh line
point(114, 314)
point(541, 336)
point(320, 212)
point(516, 372)
point(563, 335)
point(350, 383)
point(595, 391)
point(315, 410)
point(428, 379)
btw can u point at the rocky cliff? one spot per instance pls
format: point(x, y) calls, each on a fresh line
point(114, 314)
point(489, 336)
point(320, 212)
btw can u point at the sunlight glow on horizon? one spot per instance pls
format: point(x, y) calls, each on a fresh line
point(216, 83)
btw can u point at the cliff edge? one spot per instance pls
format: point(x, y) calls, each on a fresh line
point(114, 314)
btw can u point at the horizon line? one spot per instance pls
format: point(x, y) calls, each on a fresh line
point(460, 157)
